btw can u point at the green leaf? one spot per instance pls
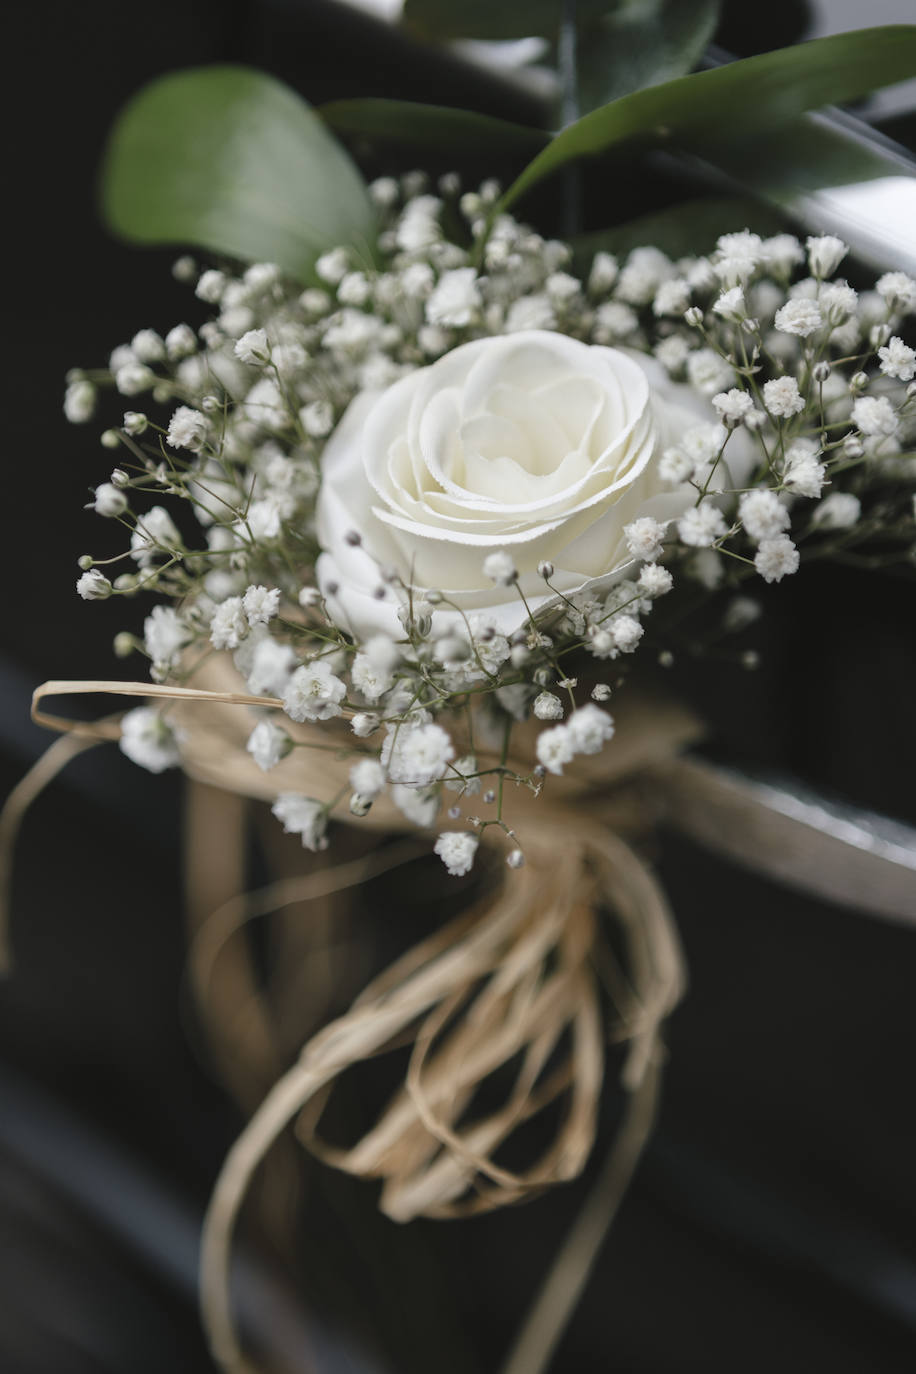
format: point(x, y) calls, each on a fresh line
point(812, 153)
point(714, 108)
point(442, 19)
point(440, 127)
point(640, 44)
point(690, 228)
point(231, 160)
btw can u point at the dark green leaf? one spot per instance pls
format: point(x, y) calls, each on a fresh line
point(432, 126)
point(690, 228)
point(640, 44)
point(711, 109)
point(811, 153)
point(228, 159)
point(441, 19)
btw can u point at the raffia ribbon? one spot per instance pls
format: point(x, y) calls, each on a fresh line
point(509, 991)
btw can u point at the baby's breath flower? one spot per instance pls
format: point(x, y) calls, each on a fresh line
point(313, 692)
point(763, 514)
point(898, 290)
point(654, 580)
point(825, 253)
point(93, 586)
point(627, 632)
point(180, 342)
point(731, 305)
point(164, 634)
point(702, 525)
point(782, 398)
point(548, 707)
point(456, 299)
point(799, 316)
point(109, 500)
point(897, 360)
point(874, 415)
point(211, 286)
point(707, 372)
point(456, 849)
point(79, 402)
point(555, 748)
point(133, 378)
point(155, 533)
point(228, 624)
point(303, 816)
point(776, 558)
point(188, 428)
point(417, 754)
point(672, 297)
point(268, 744)
point(838, 511)
point(333, 266)
point(500, 568)
point(367, 778)
point(733, 406)
point(148, 347)
point(261, 604)
point(644, 538)
point(252, 348)
point(603, 273)
point(589, 729)
point(804, 474)
point(148, 740)
point(317, 418)
point(370, 680)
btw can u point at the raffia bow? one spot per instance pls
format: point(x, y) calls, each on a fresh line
point(522, 989)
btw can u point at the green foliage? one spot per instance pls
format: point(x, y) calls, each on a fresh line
point(711, 110)
point(641, 43)
point(231, 160)
point(440, 127)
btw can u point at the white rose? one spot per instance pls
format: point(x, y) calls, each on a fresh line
point(532, 443)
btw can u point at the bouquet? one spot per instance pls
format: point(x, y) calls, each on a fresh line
point(430, 505)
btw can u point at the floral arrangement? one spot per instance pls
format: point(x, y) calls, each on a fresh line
point(421, 494)
point(439, 496)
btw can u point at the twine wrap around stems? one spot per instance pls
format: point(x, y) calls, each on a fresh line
point(507, 992)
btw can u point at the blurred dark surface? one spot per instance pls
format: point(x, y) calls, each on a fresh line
point(772, 1223)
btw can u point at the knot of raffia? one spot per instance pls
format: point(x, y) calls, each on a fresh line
point(518, 996)
point(511, 986)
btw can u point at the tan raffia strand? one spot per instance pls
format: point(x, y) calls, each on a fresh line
point(511, 982)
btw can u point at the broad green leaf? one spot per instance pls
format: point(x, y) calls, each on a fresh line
point(229, 159)
point(442, 19)
point(440, 127)
point(689, 228)
point(642, 43)
point(714, 108)
point(813, 152)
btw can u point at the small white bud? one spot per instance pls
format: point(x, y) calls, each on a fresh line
point(500, 568)
point(93, 586)
point(109, 501)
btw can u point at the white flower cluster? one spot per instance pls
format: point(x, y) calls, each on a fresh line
point(805, 403)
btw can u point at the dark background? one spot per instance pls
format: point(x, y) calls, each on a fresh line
point(772, 1222)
